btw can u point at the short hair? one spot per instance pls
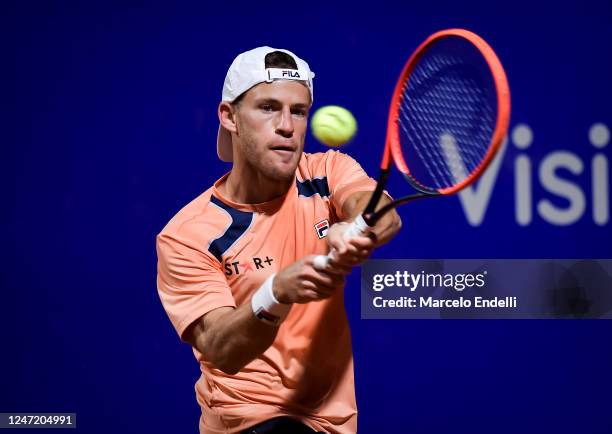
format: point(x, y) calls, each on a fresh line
point(279, 59)
point(275, 59)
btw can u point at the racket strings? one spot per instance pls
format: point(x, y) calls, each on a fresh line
point(446, 116)
point(430, 156)
point(448, 158)
point(423, 153)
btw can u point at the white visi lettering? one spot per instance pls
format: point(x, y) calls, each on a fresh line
point(601, 208)
point(599, 136)
point(563, 188)
point(475, 198)
point(452, 156)
point(522, 190)
point(522, 137)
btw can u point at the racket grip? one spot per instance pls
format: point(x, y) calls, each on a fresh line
point(357, 228)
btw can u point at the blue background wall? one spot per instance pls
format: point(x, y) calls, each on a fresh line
point(109, 124)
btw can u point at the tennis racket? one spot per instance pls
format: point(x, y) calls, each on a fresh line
point(448, 116)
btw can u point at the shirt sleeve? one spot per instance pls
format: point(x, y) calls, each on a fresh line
point(345, 177)
point(190, 282)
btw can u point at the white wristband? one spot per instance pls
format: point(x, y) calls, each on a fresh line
point(266, 307)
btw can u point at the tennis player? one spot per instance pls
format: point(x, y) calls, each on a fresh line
point(235, 269)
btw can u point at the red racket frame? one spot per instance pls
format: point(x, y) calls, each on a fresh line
point(393, 148)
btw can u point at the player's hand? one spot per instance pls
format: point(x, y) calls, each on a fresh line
point(300, 282)
point(387, 227)
point(347, 252)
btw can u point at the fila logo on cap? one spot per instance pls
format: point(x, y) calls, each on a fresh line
point(322, 227)
point(285, 74)
point(291, 73)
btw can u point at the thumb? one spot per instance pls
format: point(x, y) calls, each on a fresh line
point(336, 239)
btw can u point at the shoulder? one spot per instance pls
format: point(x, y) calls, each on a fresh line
point(196, 225)
point(319, 164)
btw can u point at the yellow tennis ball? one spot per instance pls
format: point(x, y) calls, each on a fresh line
point(333, 125)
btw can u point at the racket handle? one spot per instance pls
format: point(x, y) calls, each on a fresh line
point(357, 228)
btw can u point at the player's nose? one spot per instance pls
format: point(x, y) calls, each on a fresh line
point(285, 125)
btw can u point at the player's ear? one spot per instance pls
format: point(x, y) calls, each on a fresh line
point(227, 116)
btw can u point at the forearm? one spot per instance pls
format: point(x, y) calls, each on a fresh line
point(231, 338)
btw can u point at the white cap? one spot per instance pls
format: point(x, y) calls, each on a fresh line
point(249, 69)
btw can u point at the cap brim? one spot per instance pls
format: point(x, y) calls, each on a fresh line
point(224, 145)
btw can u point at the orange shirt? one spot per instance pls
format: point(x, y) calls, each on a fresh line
point(216, 253)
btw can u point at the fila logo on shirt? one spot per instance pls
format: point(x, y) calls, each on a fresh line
point(322, 227)
point(238, 267)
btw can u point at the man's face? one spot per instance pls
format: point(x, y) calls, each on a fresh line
point(271, 121)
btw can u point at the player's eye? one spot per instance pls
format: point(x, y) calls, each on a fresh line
point(266, 107)
point(300, 112)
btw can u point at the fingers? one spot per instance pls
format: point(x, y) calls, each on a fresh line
point(333, 266)
point(324, 283)
point(338, 244)
point(318, 285)
point(354, 246)
point(361, 242)
point(387, 228)
point(328, 281)
point(357, 250)
point(339, 268)
point(335, 237)
point(300, 282)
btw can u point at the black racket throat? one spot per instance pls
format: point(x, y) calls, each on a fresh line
point(371, 216)
point(378, 192)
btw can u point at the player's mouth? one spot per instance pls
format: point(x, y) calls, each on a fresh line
point(284, 149)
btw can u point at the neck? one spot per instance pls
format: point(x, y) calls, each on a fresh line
point(244, 185)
